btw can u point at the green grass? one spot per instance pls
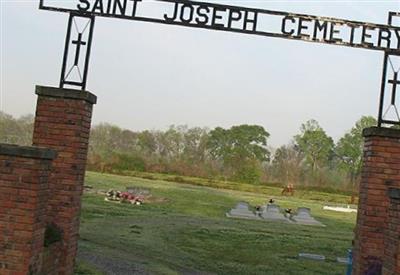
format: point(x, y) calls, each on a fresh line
point(84, 268)
point(304, 192)
point(185, 230)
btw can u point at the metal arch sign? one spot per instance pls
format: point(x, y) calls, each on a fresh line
point(228, 18)
point(241, 20)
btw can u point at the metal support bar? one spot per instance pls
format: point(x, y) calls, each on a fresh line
point(383, 90)
point(66, 49)
point(88, 51)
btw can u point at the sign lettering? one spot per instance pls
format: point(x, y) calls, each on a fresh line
point(240, 20)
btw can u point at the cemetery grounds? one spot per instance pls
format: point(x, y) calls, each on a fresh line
point(184, 230)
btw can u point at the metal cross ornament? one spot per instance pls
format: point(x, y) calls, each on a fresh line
point(394, 82)
point(78, 44)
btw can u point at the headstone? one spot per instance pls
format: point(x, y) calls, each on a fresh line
point(272, 212)
point(304, 217)
point(242, 211)
point(341, 260)
point(314, 257)
point(340, 209)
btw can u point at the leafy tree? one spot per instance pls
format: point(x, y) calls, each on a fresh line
point(147, 142)
point(315, 144)
point(195, 149)
point(287, 164)
point(110, 138)
point(240, 148)
point(173, 142)
point(349, 148)
point(249, 171)
point(239, 142)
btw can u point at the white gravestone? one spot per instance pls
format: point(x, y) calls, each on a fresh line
point(241, 211)
point(314, 257)
point(303, 216)
point(273, 212)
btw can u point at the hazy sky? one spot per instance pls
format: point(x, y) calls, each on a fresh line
point(150, 76)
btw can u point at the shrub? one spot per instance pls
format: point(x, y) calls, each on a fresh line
point(129, 162)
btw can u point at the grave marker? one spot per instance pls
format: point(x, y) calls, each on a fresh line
point(304, 217)
point(241, 211)
point(273, 212)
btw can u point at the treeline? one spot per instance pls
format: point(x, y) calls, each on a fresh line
point(240, 153)
point(312, 158)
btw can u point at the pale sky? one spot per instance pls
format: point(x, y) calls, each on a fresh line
point(150, 76)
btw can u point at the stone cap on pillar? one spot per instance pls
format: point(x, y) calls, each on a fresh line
point(66, 93)
point(27, 151)
point(381, 132)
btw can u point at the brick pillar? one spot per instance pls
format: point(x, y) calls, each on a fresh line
point(24, 175)
point(381, 170)
point(63, 119)
point(391, 260)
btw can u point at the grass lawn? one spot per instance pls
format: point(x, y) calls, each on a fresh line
point(185, 231)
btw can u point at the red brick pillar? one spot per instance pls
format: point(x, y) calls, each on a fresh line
point(381, 170)
point(391, 259)
point(63, 119)
point(24, 175)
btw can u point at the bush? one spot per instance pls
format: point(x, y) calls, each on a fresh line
point(129, 162)
point(249, 172)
